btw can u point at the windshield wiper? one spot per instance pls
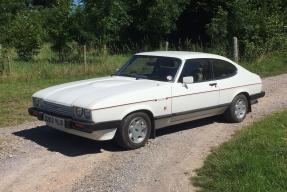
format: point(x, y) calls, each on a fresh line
point(139, 76)
point(133, 75)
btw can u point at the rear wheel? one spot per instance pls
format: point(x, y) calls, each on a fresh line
point(237, 110)
point(134, 131)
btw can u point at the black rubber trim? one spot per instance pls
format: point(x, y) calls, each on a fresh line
point(191, 111)
point(91, 127)
point(34, 112)
point(163, 116)
point(87, 127)
point(257, 96)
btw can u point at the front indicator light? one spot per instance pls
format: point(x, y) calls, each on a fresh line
point(87, 113)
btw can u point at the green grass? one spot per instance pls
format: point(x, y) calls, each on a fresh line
point(255, 159)
point(268, 65)
point(38, 69)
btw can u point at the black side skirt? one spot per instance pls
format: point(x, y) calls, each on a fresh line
point(177, 118)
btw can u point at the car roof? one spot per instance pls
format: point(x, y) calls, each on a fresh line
point(182, 54)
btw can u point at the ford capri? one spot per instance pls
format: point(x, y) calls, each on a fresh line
point(151, 90)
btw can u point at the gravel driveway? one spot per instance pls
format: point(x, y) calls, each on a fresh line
point(36, 158)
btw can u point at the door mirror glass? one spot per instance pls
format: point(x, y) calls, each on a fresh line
point(188, 80)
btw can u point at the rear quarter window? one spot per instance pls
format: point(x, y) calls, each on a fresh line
point(223, 69)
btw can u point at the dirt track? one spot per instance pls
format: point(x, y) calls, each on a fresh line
point(36, 158)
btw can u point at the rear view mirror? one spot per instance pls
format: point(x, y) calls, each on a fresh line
point(188, 80)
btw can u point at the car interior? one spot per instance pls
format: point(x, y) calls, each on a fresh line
point(198, 69)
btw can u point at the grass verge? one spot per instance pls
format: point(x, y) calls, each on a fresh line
point(255, 159)
point(268, 65)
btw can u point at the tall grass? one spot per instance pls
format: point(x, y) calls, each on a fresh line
point(268, 65)
point(43, 70)
point(47, 66)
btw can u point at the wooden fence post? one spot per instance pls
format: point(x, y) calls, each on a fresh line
point(166, 45)
point(105, 50)
point(85, 57)
point(9, 64)
point(1, 61)
point(235, 49)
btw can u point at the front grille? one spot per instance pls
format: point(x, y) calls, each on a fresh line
point(57, 109)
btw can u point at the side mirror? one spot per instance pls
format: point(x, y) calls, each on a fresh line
point(188, 80)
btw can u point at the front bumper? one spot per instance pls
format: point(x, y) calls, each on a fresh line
point(87, 127)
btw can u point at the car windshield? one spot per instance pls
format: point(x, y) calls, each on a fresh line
point(150, 67)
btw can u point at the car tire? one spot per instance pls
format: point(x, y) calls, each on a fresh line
point(237, 110)
point(134, 131)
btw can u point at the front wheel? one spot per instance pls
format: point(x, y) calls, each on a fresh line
point(134, 131)
point(237, 110)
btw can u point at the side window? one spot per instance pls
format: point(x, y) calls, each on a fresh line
point(223, 69)
point(200, 69)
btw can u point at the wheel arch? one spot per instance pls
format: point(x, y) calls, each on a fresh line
point(151, 116)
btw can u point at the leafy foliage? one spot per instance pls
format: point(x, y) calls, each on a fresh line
point(261, 26)
point(26, 34)
point(8, 10)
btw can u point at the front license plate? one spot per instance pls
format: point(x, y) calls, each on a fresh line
point(54, 121)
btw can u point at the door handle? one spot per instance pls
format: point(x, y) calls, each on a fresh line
point(213, 84)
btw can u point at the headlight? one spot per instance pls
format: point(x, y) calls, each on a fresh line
point(79, 111)
point(82, 113)
point(36, 102)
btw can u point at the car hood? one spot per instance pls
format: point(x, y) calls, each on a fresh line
point(105, 92)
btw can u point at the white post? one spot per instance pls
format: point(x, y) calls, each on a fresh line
point(85, 57)
point(105, 50)
point(235, 49)
point(9, 63)
point(166, 45)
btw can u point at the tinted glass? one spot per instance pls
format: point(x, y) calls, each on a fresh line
point(151, 67)
point(223, 69)
point(200, 69)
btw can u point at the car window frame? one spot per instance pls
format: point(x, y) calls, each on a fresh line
point(213, 72)
point(209, 63)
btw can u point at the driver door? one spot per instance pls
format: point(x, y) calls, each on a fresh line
point(197, 99)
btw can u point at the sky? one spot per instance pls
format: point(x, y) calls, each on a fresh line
point(77, 1)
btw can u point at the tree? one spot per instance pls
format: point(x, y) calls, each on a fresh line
point(57, 25)
point(259, 25)
point(106, 19)
point(44, 3)
point(8, 10)
point(26, 34)
point(154, 20)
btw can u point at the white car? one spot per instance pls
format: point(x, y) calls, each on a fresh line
point(152, 90)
